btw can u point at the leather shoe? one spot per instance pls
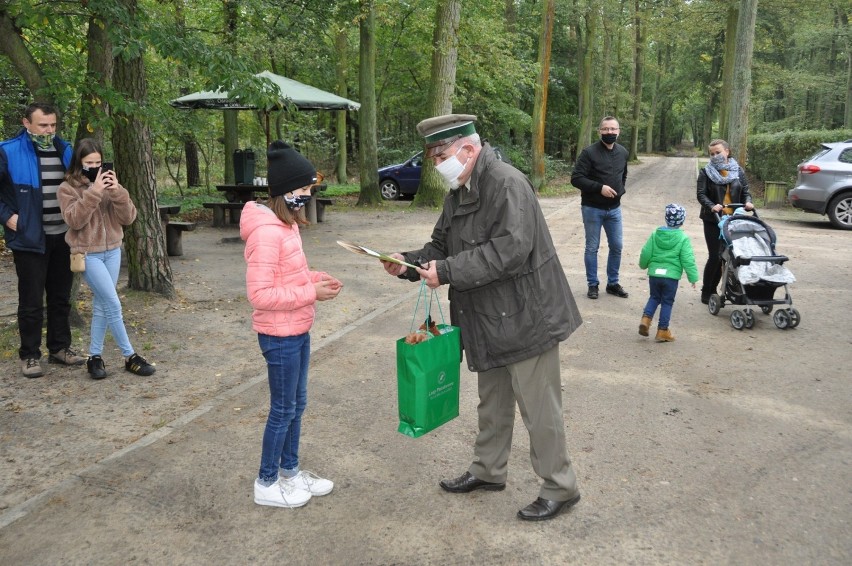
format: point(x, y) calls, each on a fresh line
point(593, 292)
point(616, 290)
point(466, 483)
point(96, 367)
point(544, 509)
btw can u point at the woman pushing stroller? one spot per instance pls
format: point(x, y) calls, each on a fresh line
point(720, 183)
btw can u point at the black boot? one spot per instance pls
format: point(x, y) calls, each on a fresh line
point(96, 367)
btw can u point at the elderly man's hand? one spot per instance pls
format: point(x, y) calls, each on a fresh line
point(749, 206)
point(392, 268)
point(430, 274)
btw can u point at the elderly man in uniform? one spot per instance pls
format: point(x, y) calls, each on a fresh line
point(509, 295)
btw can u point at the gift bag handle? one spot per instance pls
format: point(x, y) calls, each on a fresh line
point(433, 296)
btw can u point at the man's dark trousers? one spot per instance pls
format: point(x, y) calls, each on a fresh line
point(39, 275)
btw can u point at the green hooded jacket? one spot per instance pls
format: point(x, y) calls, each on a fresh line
point(667, 253)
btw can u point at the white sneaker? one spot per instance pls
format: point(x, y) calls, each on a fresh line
point(310, 482)
point(280, 494)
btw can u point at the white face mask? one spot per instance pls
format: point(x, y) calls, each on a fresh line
point(450, 169)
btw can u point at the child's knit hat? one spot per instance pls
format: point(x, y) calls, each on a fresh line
point(287, 170)
point(675, 215)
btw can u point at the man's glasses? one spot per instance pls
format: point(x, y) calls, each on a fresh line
point(609, 130)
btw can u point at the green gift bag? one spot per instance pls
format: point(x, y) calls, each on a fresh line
point(427, 374)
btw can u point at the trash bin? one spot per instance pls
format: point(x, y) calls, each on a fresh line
point(244, 166)
point(775, 194)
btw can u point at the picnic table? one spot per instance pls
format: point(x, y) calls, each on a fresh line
point(241, 192)
point(174, 230)
point(238, 195)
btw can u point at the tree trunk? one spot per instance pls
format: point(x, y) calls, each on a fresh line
point(604, 107)
point(12, 45)
point(738, 120)
point(445, 42)
point(844, 23)
point(652, 114)
point(586, 44)
point(342, 49)
point(147, 263)
point(540, 105)
point(229, 117)
point(728, 70)
point(711, 94)
point(368, 161)
point(638, 67)
point(93, 108)
point(193, 168)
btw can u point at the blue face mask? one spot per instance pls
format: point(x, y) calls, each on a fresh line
point(297, 202)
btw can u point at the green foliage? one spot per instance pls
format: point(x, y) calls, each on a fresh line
point(799, 74)
point(774, 157)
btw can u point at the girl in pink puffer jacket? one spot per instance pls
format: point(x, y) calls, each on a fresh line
point(282, 291)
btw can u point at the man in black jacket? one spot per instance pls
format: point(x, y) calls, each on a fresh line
point(600, 173)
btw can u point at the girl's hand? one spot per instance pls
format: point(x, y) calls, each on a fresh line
point(110, 180)
point(327, 289)
point(100, 184)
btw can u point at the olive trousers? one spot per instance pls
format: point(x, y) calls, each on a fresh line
point(535, 385)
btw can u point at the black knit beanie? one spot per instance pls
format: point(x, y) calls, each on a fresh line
point(287, 170)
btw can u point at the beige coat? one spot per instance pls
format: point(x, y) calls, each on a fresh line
point(95, 218)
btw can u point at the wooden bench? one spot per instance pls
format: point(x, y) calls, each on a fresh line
point(219, 208)
point(174, 231)
point(322, 202)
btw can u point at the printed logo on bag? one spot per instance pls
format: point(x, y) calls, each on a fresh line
point(442, 376)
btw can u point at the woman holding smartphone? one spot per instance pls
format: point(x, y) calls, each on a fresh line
point(96, 208)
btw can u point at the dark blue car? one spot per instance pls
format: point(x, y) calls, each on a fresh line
point(401, 179)
point(404, 178)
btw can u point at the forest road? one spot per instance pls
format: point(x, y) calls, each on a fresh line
point(724, 447)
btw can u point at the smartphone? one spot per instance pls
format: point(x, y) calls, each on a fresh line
point(106, 166)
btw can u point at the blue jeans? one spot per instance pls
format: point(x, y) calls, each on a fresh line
point(101, 276)
point(287, 359)
point(663, 291)
point(610, 220)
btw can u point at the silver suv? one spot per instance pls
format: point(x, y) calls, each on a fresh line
point(824, 184)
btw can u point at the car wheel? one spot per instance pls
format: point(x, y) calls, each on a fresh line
point(840, 211)
point(390, 190)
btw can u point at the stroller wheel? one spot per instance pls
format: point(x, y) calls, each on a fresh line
point(766, 309)
point(781, 319)
point(714, 304)
point(749, 322)
point(794, 317)
point(738, 319)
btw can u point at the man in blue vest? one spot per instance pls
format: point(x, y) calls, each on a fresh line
point(32, 165)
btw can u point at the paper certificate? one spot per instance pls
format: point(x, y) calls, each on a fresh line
point(361, 250)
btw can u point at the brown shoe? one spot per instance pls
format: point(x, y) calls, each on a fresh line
point(66, 356)
point(664, 335)
point(644, 325)
point(31, 368)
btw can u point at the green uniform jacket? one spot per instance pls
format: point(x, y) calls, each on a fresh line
point(667, 253)
point(508, 292)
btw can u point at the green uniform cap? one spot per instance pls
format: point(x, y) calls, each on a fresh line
point(443, 130)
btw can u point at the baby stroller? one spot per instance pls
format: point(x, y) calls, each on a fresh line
point(752, 272)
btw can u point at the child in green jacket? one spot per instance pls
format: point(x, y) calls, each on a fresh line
point(665, 255)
